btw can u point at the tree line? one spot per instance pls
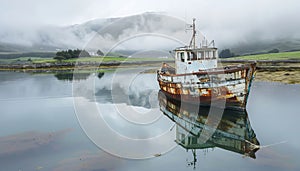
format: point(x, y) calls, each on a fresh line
point(69, 54)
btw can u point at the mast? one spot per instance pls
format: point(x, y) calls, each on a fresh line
point(193, 40)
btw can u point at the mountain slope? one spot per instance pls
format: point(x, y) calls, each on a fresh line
point(137, 32)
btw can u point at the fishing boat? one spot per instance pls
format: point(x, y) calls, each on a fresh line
point(199, 77)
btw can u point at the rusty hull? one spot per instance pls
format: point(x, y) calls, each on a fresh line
point(227, 84)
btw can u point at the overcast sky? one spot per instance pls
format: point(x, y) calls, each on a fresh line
point(65, 12)
point(224, 20)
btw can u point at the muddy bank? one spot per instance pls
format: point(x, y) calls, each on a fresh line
point(285, 71)
point(288, 77)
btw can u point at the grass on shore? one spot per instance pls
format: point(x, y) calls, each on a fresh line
point(270, 56)
point(82, 59)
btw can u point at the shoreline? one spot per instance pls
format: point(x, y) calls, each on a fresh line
point(263, 65)
point(285, 71)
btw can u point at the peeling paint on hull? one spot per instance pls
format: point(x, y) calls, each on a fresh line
point(229, 85)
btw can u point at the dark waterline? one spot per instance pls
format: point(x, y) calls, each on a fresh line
point(44, 104)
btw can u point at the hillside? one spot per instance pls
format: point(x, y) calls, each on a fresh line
point(133, 33)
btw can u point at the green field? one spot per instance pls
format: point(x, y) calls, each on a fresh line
point(25, 59)
point(109, 59)
point(82, 59)
point(270, 56)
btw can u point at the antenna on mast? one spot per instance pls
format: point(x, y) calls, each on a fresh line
point(193, 40)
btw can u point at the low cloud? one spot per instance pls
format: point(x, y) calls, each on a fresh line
point(230, 23)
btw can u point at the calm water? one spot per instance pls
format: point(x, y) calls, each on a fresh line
point(40, 129)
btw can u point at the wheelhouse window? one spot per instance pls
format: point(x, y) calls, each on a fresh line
point(207, 55)
point(214, 55)
point(194, 55)
point(191, 56)
point(188, 56)
point(180, 56)
point(210, 54)
point(200, 55)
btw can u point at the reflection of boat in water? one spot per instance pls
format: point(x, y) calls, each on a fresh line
point(232, 132)
point(70, 76)
point(197, 78)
